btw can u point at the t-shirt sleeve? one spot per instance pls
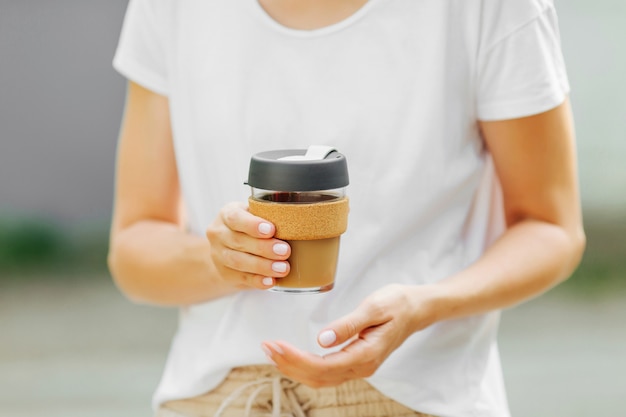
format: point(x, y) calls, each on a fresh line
point(524, 72)
point(141, 54)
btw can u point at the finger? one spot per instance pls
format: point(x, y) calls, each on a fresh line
point(236, 217)
point(251, 234)
point(245, 262)
point(305, 367)
point(292, 359)
point(258, 281)
point(266, 248)
point(349, 326)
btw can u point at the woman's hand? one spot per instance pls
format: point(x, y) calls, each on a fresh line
point(376, 328)
point(244, 251)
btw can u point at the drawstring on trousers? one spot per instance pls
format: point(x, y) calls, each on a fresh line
point(280, 386)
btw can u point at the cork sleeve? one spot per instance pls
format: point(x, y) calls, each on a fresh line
point(304, 221)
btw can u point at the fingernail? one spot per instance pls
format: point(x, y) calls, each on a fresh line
point(268, 354)
point(268, 282)
point(276, 348)
point(327, 338)
point(265, 228)
point(279, 267)
point(281, 248)
point(267, 351)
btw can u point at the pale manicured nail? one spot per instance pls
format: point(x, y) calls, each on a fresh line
point(276, 348)
point(279, 267)
point(266, 350)
point(280, 248)
point(327, 338)
point(265, 228)
point(268, 355)
point(268, 282)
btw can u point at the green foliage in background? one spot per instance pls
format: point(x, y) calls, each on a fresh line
point(29, 242)
point(30, 247)
point(603, 268)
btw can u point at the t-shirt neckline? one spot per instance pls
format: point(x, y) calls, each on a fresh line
point(310, 33)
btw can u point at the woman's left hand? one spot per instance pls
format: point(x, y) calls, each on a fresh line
point(378, 326)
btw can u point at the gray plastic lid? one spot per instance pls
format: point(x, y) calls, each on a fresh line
point(314, 169)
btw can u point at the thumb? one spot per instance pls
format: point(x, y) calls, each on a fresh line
point(346, 328)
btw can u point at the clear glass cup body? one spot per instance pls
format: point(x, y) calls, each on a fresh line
point(313, 262)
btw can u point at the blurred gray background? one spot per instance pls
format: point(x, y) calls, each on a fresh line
point(60, 107)
point(71, 345)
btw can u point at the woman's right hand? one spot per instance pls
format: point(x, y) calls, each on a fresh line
point(244, 250)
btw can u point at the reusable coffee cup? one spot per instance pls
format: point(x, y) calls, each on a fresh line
point(303, 193)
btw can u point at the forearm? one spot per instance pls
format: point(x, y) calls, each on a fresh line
point(155, 262)
point(530, 258)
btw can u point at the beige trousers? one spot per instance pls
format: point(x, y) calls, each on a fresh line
point(260, 390)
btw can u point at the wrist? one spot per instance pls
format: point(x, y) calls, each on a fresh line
point(427, 305)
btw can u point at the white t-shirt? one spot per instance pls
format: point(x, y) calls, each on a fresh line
point(398, 88)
